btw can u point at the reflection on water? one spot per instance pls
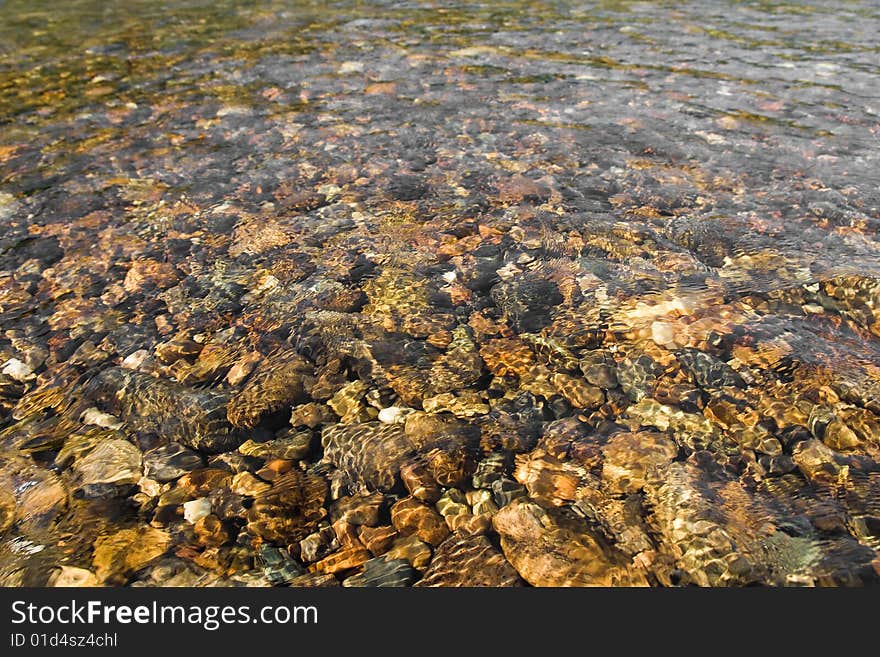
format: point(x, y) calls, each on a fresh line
point(410, 293)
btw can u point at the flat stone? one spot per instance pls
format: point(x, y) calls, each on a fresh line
point(171, 461)
point(469, 561)
point(628, 457)
point(71, 576)
point(195, 510)
point(410, 516)
point(114, 461)
point(318, 545)
point(378, 540)
point(415, 551)
point(118, 555)
point(345, 559)
point(547, 551)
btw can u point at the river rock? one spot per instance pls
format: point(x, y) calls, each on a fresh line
point(548, 550)
point(410, 516)
point(171, 461)
point(629, 456)
point(114, 462)
point(118, 555)
point(469, 561)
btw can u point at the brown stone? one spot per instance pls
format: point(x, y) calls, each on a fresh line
point(549, 550)
point(816, 460)
point(144, 274)
point(469, 524)
point(630, 456)
point(415, 551)
point(71, 576)
point(211, 532)
point(469, 561)
point(347, 534)
point(840, 437)
point(344, 559)
point(450, 464)
point(547, 479)
point(242, 368)
point(378, 540)
point(274, 469)
point(419, 482)
point(173, 350)
point(578, 392)
point(311, 415)
point(290, 510)
point(118, 555)
point(506, 356)
point(410, 516)
point(314, 580)
point(278, 382)
point(359, 509)
point(7, 510)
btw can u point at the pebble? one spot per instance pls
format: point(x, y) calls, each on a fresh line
point(410, 516)
point(113, 462)
point(72, 577)
point(168, 462)
point(100, 419)
point(413, 550)
point(394, 415)
point(195, 510)
point(18, 370)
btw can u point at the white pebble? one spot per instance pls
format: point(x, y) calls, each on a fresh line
point(195, 510)
point(100, 419)
point(351, 67)
point(662, 333)
point(135, 359)
point(393, 415)
point(17, 370)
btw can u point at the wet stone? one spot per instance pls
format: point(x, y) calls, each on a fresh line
point(527, 302)
point(548, 550)
point(489, 469)
point(195, 418)
point(359, 509)
point(72, 576)
point(112, 464)
point(171, 461)
point(290, 510)
point(549, 480)
point(311, 415)
point(117, 556)
point(289, 445)
point(314, 580)
point(378, 540)
point(707, 371)
point(7, 510)
point(318, 545)
point(506, 490)
point(637, 377)
point(412, 550)
point(277, 383)
point(816, 461)
point(211, 532)
point(369, 455)
point(469, 561)
point(342, 560)
point(410, 516)
point(629, 457)
point(278, 566)
point(387, 573)
point(419, 482)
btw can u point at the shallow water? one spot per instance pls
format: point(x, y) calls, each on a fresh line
point(627, 251)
